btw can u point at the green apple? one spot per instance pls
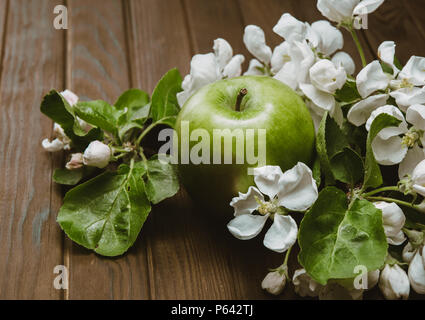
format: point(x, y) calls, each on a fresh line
point(247, 103)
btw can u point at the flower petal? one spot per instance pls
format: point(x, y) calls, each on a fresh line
point(394, 283)
point(414, 71)
point(417, 273)
point(326, 77)
point(406, 97)
point(247, 226)
point(234, 67)
point(413, 157)
point(281, 55)
point(388, 152)
point(323, 100)
point(204, 70)
point(255, 42)
point(282, 234)
point(54, 146)
point(344, 60)
point(390, 131)
point(416, 116)
point(288, 75)
point(418, 174)
point(371, 78)
point(223, 52)
point(325, 37)
point(70, 97)
point(298, 189)
point(419, 189)
point(367, 7)
point(393, 221)
point(386, 52)
point(408, 252)
point(290, 28)
point(267, 179)
point(361, 111)
point(337, 10)
point(246, 203)
point(255, 68)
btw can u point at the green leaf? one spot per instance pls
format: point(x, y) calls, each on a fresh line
point(161, 180)
point(335, 238)
point(348, 93)
point(100, 114)
point(330, 141)
point(57, 108)
point(317, 174)
point(373, 176)
point(132, 98)
point(164, 105)
point(106, 213)
point(68, 177)
point(135, 117)
point(347, 166)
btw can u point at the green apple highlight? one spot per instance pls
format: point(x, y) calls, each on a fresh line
point(254, 104)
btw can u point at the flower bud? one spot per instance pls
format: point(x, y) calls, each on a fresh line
point(70, 97)
point(304, 284)
point(394, 283)
point(76, 161)
point(416, 271)
point(52, 146)
point(327, 77)
point(274, 282)
point(408, 252)
point(393, 221)
point(97, 154)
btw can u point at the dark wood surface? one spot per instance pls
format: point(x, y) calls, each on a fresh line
point(110, 46)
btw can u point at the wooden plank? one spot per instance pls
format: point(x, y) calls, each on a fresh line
point(406, 27)
point(98, 69)
point(187, 254)
point(30, 239)
point(267, 13)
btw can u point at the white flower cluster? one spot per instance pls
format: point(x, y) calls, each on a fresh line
point(394, 145)
point(307, 61)
point(97, 154)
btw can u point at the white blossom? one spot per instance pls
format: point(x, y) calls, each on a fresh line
point(61, 141)
point(325, 38)
point(290, 28)
point(294, 190)
point(393, 222)
point(371, 78)
point(386, 53)
point(281, 55)
point(97, 154)
point(274, 282)
point(76, 161)
point(327, 77)
point(344, 11)
point(210, 67)
point(394, 283)
point(361, 111)
point(255, 42)
point(416, 271)
point(344, 60)
point(394, 145)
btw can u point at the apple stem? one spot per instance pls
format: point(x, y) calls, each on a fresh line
point(242, 93)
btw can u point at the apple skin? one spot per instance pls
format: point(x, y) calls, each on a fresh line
point(269, 104)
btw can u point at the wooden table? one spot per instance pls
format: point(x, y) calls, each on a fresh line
point(110, 46)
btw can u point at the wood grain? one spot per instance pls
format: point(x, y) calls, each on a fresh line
point(184, 258)
point(401, 22)
point(30, 239)
point(98, 69)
